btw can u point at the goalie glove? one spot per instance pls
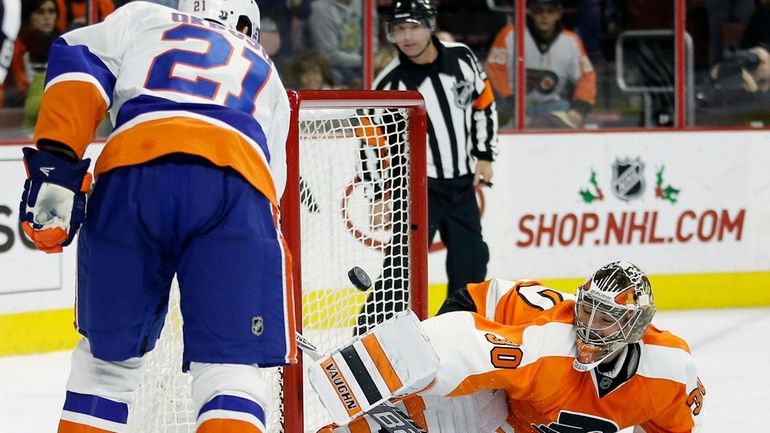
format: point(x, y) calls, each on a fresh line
point(393, 359)
point(53, 204)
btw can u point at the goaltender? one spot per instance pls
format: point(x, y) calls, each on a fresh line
point(567, 364)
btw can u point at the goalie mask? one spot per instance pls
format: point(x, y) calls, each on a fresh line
point(612, 309)
point(233, 14)
point(410, 11)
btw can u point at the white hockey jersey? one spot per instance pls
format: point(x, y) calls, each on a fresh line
point(551, 70)
point(172, 83)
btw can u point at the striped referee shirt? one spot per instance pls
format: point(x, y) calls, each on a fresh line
point(462, 118)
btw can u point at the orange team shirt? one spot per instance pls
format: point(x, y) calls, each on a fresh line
point(529, 349)
point(78, 10)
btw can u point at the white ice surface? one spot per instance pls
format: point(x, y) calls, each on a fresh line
point(731, 348)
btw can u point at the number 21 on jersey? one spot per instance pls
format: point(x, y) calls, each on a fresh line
point(161, 75)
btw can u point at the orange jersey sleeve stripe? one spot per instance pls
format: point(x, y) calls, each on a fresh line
point(74, 427)
point(154, 138)
point(70, 119)
point(288, 279)
point(498, 62)
point(219, 425)
point(352, 407)
point(382, 363)
point(585, 86)
point(486, 98)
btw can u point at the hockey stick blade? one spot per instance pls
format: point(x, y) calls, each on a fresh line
point(306, 346)
point(359, 278)
point(388, 417)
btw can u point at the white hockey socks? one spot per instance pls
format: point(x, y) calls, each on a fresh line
point(394, 358)
point(230, 398)
point(98, 392)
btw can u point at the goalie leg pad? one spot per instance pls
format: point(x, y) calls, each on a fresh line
point(393, 359)
point(229, 396)
point(481, 412)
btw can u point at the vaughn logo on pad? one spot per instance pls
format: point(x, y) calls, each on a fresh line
point(341, 387)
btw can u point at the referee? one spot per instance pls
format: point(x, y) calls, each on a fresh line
point(462, 140)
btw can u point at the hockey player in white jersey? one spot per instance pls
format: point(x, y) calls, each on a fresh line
point(189, 183)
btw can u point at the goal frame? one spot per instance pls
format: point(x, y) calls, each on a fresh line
point(290, 210)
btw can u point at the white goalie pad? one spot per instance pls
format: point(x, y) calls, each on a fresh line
point(482, 412)
point(394, 358)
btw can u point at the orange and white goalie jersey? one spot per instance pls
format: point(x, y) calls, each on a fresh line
point(172, 83)
point(528, 350)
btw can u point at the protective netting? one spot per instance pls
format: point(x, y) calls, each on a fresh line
point(354, 193)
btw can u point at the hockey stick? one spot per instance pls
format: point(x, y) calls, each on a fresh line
point(387, 416)
point(306, 197)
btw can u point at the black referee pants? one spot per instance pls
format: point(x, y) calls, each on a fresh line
point(454, 212)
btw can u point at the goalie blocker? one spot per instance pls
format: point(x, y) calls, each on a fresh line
point(394, 359)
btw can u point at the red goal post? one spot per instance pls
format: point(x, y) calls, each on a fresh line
point(411, 105)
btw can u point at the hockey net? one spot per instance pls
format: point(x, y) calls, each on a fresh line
point(330, 225)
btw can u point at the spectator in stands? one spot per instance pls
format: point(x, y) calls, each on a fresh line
point(289, 17)
point(169, 3)
point(757, 31)
point(595, 22)
point(740, 91)
point(309, 70)
point(561, 82)
point(335, 29)
point(73, 13)
point(383, 56)
point(721, 12)
point(30, 55)
point(270, 37)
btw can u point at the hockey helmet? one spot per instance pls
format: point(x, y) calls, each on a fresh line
point(613, 308)
point(233, 14)
point(411, 11)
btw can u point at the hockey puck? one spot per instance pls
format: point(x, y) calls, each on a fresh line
point(359, 278)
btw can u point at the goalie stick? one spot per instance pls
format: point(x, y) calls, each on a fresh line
point(390, 419)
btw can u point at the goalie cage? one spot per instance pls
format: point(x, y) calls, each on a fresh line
point(327, 223)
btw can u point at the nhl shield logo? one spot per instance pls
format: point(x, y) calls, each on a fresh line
point(257, 325)
point(628, 178)
point(463, 91)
